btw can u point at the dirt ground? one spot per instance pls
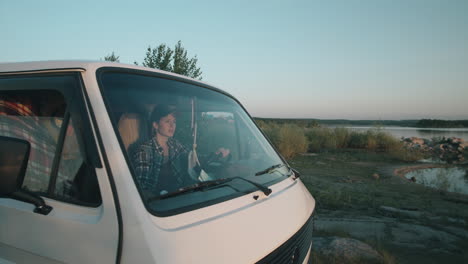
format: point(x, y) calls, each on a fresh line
point(363, 195)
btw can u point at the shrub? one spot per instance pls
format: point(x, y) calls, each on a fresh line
point(288, 139)
point(371, 139)
point(291, 141)
point(357, 140)
point(321, 138)
point(342, 136)
point(387, 142)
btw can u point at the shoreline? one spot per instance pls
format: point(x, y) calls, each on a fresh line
point(402, 171)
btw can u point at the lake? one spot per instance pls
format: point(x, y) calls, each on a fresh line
point(428, 133)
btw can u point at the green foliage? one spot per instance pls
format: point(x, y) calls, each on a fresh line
point(327, 139)
point(271, 130)
point(342, 136)
point(164, 58)
point(291, 141)
point(404, 154)
point(183, 65)
point(112, 57)
point(371, 136)
point(387, 142)
point(312, 122)
point(304, 123)
point(357, 140)
point(159, 58)
point(442, 123)
point(288, 139)
point(321, 138)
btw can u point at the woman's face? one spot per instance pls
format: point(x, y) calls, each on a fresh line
point(166, 126)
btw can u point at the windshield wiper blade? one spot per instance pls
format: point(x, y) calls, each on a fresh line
point(208, 184)
point(191, 188)
point(267, 191)
point(269, 169)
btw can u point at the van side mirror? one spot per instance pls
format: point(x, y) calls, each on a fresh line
point(14, 155)
point(297, 174)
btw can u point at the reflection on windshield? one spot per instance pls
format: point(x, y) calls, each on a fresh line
point(177, 135)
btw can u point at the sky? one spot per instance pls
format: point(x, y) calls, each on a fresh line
point(349, 59)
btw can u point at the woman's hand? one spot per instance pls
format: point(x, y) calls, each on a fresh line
point(223, 151)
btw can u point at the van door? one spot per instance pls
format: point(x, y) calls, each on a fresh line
point(64, 168)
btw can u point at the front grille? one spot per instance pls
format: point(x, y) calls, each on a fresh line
point(294, 250)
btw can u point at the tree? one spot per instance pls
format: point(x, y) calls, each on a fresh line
point(112, 57)
point(164, 58)
point(183, 65)
point(159, 58)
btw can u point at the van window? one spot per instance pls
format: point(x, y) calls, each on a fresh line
point(177, 135)
point(38, 109)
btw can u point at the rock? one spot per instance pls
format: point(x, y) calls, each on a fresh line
point(346, 248)
point(439, 147)
point(454, 140)
point(309, 154)
point(395, 212)
point(376, 176)
point(448, 150)
point(416, 140)
point(463, 145)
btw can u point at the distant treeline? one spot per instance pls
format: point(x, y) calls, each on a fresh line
point(310, 122)
point(436, 123)
point(339, 122)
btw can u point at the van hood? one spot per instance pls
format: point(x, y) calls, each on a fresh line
point(242, 230)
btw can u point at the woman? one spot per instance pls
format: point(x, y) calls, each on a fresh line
point(161, 162)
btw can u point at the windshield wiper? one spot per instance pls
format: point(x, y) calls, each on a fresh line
point(269, 169)
point(206, 185)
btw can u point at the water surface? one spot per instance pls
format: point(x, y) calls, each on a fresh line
point(447, 179)
point(428, 133)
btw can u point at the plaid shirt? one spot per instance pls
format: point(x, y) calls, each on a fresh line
point(148, 160)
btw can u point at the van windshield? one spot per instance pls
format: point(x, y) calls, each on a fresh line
point(177, 135)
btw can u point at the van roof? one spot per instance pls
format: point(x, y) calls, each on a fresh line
point(83, 65)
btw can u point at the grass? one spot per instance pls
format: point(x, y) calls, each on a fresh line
point(341, 182)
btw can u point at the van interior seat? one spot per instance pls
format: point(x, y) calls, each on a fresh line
point(133, 129)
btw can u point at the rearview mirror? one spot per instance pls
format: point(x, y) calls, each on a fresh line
point(14, 155)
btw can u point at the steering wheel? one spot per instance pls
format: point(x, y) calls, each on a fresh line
point(218, 157)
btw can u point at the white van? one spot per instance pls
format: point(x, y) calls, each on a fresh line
point(80, 175)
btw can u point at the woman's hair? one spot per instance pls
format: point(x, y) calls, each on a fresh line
point(161, 111)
